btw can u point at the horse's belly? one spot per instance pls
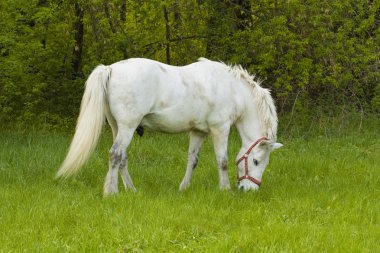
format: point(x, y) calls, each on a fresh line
point(165, 122)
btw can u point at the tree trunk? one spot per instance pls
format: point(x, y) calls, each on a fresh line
point(107, 12)
point(177, 16)
point(78, 36)
point(216, 29)
point(123, 18)
point(123, 12)
point(40, 4)
point(242, 11)
point(167, 35)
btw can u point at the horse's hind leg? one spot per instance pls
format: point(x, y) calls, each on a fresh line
point(196, 140)
point(127, 180)
point(112, 122)
point(118, 159)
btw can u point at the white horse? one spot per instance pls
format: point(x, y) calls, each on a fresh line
point(204, 98)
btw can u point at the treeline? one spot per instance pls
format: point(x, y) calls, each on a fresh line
point(313, 54)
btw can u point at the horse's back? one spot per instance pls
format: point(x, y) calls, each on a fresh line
point(172, 99)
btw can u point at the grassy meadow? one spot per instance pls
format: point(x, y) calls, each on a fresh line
point(320, 193)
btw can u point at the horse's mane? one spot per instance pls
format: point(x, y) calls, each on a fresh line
point(262, 98)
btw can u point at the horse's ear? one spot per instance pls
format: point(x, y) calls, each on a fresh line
point(270, 145)
point(275, 145)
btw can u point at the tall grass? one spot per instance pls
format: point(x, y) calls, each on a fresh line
point(320, 193)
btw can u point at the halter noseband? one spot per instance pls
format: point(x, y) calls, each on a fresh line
point(245, 158)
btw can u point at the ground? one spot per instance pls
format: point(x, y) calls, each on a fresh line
point(320, 192)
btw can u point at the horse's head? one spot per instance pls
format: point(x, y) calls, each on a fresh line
point(252, 162)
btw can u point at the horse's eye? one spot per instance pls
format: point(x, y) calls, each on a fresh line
point(255, 162)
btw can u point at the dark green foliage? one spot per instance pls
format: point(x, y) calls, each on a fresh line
point(314, 55)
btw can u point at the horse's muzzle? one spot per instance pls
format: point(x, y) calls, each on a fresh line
point(247, 185)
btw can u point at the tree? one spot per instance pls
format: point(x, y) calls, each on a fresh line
point(311, 53)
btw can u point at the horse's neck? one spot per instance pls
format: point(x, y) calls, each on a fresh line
point(249, 126)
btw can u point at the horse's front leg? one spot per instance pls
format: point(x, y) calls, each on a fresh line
point(196, 140)
point(220, 140)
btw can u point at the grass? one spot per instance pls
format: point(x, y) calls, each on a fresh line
point(320, 193)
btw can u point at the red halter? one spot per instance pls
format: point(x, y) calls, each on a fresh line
point(245, 158)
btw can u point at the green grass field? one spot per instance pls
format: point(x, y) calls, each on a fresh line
point(320, 193)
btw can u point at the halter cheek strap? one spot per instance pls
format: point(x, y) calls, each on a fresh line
point(245, 158)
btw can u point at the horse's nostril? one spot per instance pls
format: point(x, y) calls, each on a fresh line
point(241, 187)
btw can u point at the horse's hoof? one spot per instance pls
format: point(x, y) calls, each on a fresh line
point(183, 186)
point(109, 194)
point(225, 187)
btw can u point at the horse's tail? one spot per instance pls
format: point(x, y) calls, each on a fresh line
point(90, 121)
